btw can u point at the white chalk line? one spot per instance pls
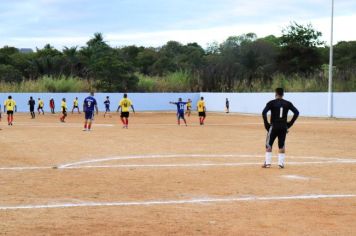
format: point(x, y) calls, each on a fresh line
point(79, 165)
point(178, 202)
point(237, 164)
point(190, 156)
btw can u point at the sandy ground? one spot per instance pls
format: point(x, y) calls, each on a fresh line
point(157, 178)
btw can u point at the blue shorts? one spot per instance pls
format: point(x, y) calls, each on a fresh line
point(180, 115)
point(89, 115)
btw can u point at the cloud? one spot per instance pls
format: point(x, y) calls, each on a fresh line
point(31, 23)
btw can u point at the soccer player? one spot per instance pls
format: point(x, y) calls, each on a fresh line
point(189, 107)
point(125, 105)
point(180, 110)
point(76, 105)
point(10, 107)
point(40, 106)
point(88, 108)
point(227, 105)
point(51, 105)
point(278, 126)
point(32, 104)
point(201, 111)
point(107, 106)
point(64, 110)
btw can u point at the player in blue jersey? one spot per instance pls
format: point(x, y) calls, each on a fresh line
point(180, 110)
point(107, 106)
point(88, 108)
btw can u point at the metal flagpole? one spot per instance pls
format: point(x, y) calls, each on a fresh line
point(330, 93)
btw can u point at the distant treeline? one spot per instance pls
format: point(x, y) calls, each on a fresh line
point(297, 60)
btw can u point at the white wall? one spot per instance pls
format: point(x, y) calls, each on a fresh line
point(141, 101)
point(309, 104)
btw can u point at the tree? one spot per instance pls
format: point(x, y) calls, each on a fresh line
point(299, 52)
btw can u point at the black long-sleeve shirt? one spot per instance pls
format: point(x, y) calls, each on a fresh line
point(279, 113)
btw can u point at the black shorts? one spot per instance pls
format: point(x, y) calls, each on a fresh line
point(64, 112)
point(76, 107)
point(40, 108)
point(32, 109)
point(125, 114)
point(202, 114)
point(273, 133)
point(107, 109)
point(10, 112)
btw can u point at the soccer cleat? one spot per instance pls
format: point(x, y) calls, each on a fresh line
point(266, 165)
point(281, 166)
point(84, 129)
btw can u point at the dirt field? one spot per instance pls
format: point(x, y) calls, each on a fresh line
point(160, 179)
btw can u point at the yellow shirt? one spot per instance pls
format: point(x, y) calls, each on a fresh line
point(64, 106)
point(125, 104)
point(201, 106)
point(189, 105)
point(9, 104)
point(40, 103)
point(76, 103)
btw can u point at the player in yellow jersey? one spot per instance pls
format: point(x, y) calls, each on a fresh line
point(125, 105)
point(9, 108)
point(40, 106)
point(201, 110)
point(75, 105)
point(189, 107)
point(64, 110)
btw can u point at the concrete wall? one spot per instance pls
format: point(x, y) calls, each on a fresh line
point(309, 104)
point(141, 101)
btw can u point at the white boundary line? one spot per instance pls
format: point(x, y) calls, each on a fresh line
point(162, 156)
point(177, 202)
point(79, 164)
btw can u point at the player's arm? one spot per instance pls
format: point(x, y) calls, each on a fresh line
point(133, 109)
point(295, 115)
point(173, 103)
point(118, 108)
point(15, 108)
point(264, 116)
point(96, 109)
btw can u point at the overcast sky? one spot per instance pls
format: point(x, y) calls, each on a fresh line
point(33, 23)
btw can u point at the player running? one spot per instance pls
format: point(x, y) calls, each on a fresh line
point(40, 106)
point(180, 110)
point(107, 106)
point(189, 107)
point(76, 105)
point(64, 110)
point(9, 108)
point(278, 126)
point(201, 111)
point(125, 105)
point(88, 108)
point(32, 104)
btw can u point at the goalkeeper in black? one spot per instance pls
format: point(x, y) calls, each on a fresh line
point(278, 126)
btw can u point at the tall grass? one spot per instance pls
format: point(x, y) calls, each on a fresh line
point(47, 84)
point(180, 81)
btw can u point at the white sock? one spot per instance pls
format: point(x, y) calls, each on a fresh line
point(281, 157)
point(268, 159)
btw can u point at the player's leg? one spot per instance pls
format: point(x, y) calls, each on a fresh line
point(281, 145)
point(11, 117)
point(122, 119)
point(178, 118)
point(183, 118)
point(271, 136)
point(203, 118)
